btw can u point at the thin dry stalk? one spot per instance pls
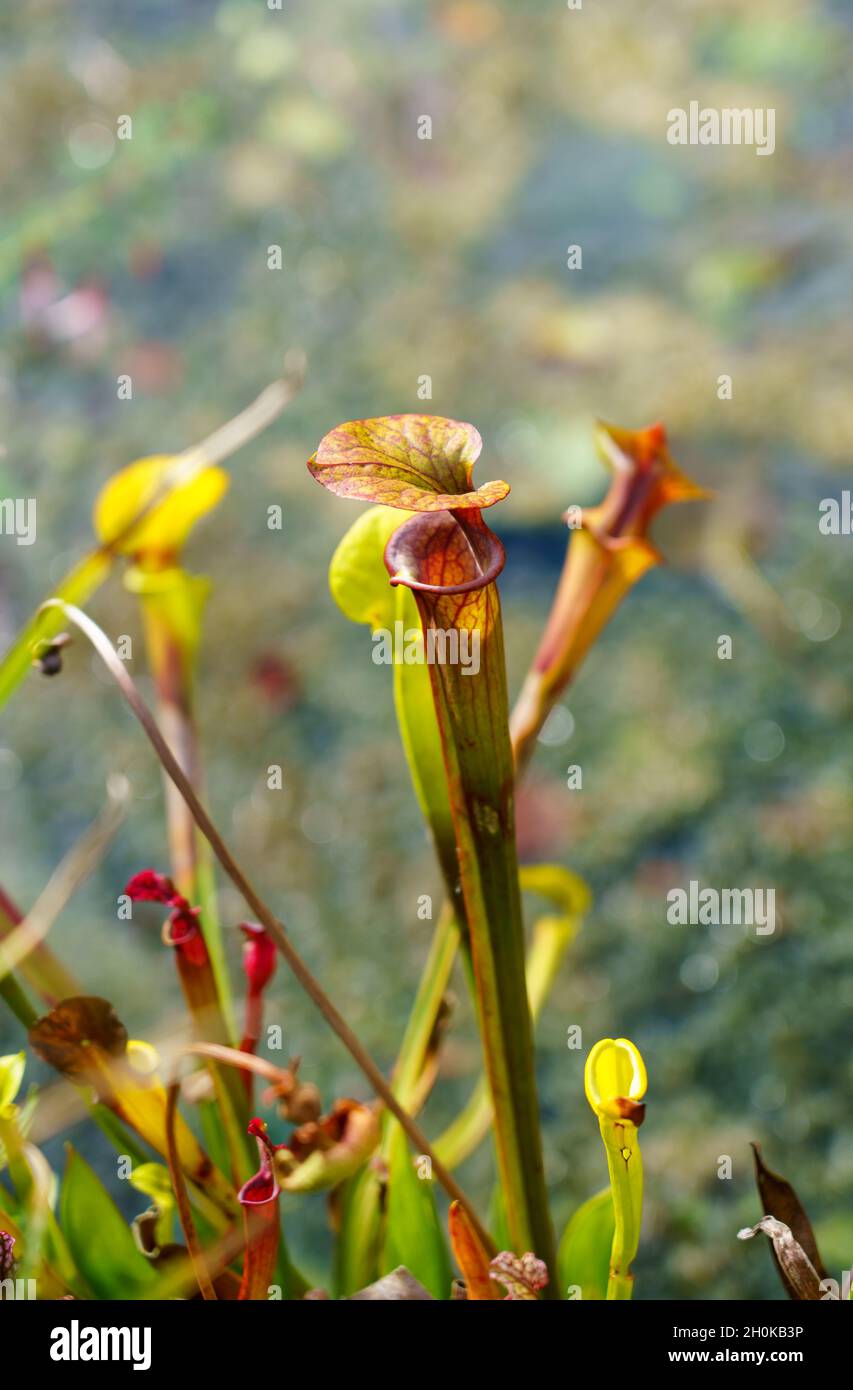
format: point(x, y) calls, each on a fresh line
point(261, 911)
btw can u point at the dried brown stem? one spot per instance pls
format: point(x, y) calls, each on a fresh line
point(261, 911)
point(185, 1215)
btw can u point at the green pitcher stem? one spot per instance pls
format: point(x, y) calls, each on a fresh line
point(471, 711)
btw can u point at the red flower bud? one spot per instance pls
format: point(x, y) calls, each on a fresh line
point(149, 886)
point(259, 957)
point(7, 1255)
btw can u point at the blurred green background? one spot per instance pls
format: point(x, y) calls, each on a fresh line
point(401, 258)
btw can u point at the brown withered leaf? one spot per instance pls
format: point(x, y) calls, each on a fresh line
point(397, 1287)
point(778, 1199)
point(323, 1152)
point(71, 1036)
point(801, 1280)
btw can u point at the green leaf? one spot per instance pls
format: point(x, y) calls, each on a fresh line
point(17, 1118)
point(357, 1247)
point(11, 1076)
point(358, 579)
point(173, 603)
point(361, 587)
point(101, 1244)
point(498, 1224)
point(583, 1259)
point(420, 1029)
point(413, 1234)
point(35, 1185)
point(153, 1180)
point(413, 701)
point(566, 890)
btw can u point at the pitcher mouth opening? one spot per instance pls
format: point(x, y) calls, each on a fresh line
point(444, 553)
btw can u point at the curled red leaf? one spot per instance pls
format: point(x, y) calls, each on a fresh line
point(259, 956)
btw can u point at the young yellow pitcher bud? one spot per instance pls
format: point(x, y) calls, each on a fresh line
point(615, 1083)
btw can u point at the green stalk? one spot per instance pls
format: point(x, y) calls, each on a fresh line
point(421, 1025)
point(12, 995)
point(625, 1167)
point(551, 937)
point(615, 1083)
point(472, 715)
